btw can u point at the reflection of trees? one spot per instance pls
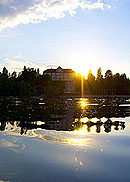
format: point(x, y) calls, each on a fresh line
point(60, 114)
point(98, 126)
point(102, 108)
point(2, 126)
point(107, 125)
point(63, 125)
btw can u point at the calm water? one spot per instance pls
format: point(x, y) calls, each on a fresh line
point(65, 140)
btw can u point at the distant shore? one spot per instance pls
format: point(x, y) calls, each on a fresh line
point(96, 96)
point(86, 96)
point(70, 96)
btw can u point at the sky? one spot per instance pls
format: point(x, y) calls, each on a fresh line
point(77, 34)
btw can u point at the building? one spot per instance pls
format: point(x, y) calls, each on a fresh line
point(65, 75)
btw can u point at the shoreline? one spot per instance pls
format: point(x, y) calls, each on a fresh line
point(71, 96)
point(96, 96)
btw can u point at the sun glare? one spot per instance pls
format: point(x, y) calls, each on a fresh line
point(80, 142)
point(83, 102)
point(82, 64)
point(81, 68)
point(81, 71)
point(84, 120)
point(82, 130)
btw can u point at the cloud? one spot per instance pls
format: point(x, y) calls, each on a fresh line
point(95, 5)
point(18, 62)
point(17, 65)
point(4, 35)
point(14, 12)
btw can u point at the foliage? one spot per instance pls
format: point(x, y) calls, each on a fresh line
point(30, 83)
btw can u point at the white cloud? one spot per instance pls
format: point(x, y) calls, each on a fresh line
point(17, 64)
point(5, 35)
point(14, 12)
point(95, 5)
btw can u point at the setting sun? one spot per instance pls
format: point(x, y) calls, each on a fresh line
point(81, 68)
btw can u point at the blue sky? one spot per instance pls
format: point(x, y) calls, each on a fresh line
point(77, 34)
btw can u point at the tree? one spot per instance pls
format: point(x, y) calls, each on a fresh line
point(14, 75)
point(108, 83)
point(5, 72)
point(90, 77)
point(99, 82)
point(99, 75)
point(90, 83)
point(108, 74)
point(116, 76)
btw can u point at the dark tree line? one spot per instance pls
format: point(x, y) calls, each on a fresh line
point(28, 83)
point(109, 84)
point(31, 83)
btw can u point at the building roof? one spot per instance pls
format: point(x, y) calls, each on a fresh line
point(59, 69)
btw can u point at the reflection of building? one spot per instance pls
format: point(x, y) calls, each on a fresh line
point(66, 75)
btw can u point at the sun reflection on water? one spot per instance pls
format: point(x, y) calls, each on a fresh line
point(82, 130)
point(83, 102)
point(80, 142)
point(69, 138)
point(84, 120)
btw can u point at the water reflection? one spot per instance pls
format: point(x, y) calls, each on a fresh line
point(82, 127)
point(61, 125)
point(95, 146)
point(79, 115)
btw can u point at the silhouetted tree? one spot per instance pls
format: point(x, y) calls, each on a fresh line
point(99, 75)
point(108, 83)
point(5, 72)
point(90, 83)
point(31, 83)
point(99, 82)
point(108, 74)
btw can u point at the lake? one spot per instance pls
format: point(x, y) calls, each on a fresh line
point(65, 140)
